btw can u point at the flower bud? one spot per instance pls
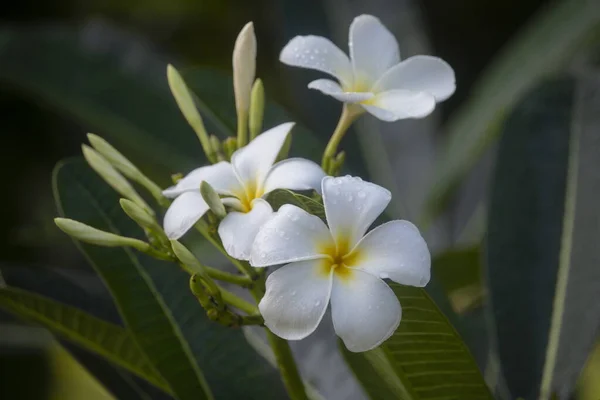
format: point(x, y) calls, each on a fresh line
point(215, 145)
point(257, 108)
point(186, 104)
point(140, 215)
point(122, 164)
point(87, 234)
point(244, 70)
point(113, 177)
point(187, 258)
point(212, 199)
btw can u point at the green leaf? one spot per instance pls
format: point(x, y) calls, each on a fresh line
point(142, 308)
point(542, 239)
point(425, 358)
point(459, 273)
point(156, 305)
point(279, 197)
point(104, 338)
point(543, 47)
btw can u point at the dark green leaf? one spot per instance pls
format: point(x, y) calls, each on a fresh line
point(459, 272)
point(543, 231)
point(156, 304)
point(544, 46)
point(104, 338)
point(425, 358)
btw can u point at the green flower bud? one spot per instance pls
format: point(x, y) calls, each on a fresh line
point(257, 108)
point(122, 164)
point(87, 234)
point(140, 215)
point(212, 199)
point(113, 177)
point(186, 104)
point(186, 257)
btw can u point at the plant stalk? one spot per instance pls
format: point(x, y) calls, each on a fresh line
point(350, 113)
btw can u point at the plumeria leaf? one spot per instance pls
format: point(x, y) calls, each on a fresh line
point(279, 197)
point(459, 273)
point(95, 84)
point(425, 358)
point(104, 338)
point(543, 47)
point(542, 242)
point(157, 307)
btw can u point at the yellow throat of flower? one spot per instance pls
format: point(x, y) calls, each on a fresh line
point(340, 259)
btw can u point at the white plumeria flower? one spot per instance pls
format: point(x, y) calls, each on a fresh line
point(340, 264)
point(374, 77)
point(250, 175)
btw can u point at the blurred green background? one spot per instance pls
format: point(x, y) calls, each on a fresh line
point(71, 67)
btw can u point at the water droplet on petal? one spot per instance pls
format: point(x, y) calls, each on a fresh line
point(293, 293)
point(361, 194)
point(317, 303)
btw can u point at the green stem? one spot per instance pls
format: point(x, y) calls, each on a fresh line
point(227, 277)
point(238, 302)
point(287, 366)
point(284, 358)
point(349, 114)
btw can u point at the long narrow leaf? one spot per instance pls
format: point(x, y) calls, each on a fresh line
point(104, 338)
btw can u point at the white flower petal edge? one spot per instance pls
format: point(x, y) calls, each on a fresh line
point(400, 104)
point(373, 49)
point(315, 52)
point(295, 174)
point(420, 74)
point(220, 176)
point(291, 235)
point(331, 88)
point(238, 230)
point(395, 250)
point(351, 206)
point(365, 311)
point(296, 299)
point(253, 162)
point(183, 213)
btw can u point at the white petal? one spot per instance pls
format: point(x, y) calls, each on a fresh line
point(365, 311)
point(373, 49)
point(291, 235)
point(238, 230)
point(296, 299)
point(395, 250)
point(183, 213)
point(253, 162)
point(316, 52)
point(351, 206)
point(420, 74)
point(400, 104)
point(220, 176)
point(295, 174)
point(332, 89)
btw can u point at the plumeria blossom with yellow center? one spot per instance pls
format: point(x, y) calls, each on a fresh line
point(251, 175)
point(340, 265)
point(373, 77)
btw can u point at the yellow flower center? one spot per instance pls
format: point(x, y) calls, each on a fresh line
point(251, 192)
point(340, 259)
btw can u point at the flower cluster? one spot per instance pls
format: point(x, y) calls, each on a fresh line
point(325, 259)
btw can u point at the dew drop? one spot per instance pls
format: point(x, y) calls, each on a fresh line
point(370, 307)
point(293, 293)
point(361, 194)
point(350, 198)
point(317, 303)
